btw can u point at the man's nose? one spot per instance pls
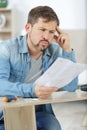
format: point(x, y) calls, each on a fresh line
point(46, 35)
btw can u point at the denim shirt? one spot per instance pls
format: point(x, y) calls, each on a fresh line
point(15, 65)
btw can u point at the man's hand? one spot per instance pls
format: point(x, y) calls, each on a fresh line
point(63, 40)
point(44, 92)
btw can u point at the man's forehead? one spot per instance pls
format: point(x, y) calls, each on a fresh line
point(44, 20)
point(42, 24)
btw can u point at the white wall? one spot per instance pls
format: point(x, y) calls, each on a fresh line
point(72, 13)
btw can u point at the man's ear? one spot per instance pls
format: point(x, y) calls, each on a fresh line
point(28, 27)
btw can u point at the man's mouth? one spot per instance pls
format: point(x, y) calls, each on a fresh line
point(44, 43)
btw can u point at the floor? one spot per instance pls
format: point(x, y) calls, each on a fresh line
point(72, 115)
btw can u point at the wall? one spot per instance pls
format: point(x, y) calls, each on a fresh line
point(79, 44)
point(72, 13)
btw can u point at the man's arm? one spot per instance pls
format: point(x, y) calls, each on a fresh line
point(6, 86)
point(63, 40)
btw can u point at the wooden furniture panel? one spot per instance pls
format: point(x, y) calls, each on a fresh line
point(20, 118)
point(7, 31)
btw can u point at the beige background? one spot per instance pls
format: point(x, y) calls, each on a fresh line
point(79, 44)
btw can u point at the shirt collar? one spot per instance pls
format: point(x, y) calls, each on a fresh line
point(23, 48)
point(47, 52)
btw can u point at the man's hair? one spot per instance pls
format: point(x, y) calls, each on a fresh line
point(44, 12)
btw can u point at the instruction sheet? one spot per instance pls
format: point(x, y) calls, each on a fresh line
point(62, 72)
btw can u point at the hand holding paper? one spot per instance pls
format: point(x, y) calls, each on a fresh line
point(62, 72)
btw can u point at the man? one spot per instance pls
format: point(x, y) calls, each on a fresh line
point(25, 58)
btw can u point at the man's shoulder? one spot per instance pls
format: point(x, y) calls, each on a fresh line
point(10, 43)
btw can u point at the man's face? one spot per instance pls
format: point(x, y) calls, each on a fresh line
point(41, 34)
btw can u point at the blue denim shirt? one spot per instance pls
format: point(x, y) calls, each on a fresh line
point(15, 65)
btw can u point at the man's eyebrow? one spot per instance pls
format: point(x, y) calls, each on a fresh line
point(41, 27)
point(46, 29)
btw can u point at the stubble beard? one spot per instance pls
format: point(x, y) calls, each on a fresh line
point(37, 45)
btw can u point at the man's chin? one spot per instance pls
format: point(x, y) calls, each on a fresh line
point(43, 48)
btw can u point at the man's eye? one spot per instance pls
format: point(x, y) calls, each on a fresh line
point(52, 32)
point(42, 30)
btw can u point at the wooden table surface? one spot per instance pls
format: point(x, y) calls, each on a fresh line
point(21, 113)
point(56, 97)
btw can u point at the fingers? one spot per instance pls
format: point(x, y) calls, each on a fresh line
point(60, 36)
point(59, 31)
point(44, 92)
point(62, 39)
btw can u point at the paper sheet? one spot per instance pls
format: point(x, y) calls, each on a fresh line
point(62, 72)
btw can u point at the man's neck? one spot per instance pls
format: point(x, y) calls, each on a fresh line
point(35, 55)
point(33, 51)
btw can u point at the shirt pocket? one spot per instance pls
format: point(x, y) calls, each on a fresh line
point(16, 75)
